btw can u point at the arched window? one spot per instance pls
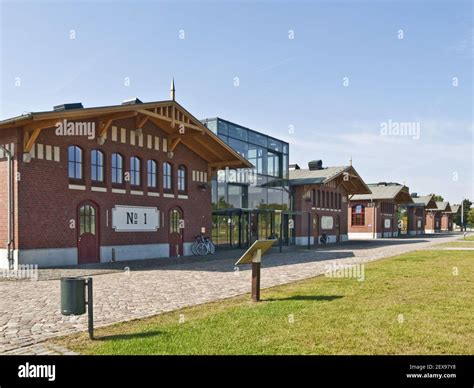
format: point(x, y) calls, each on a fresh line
point(175, 217)
point(167, 176)
point(74, 154)
point(87, 220)
point(182, 179)
point(135, 171)
point(151, 174)
point(117, 169)
point(358, 215)
point(97, 166)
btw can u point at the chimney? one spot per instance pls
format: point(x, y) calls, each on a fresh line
point(315, 165)
point(73, 105)
point(132, 101)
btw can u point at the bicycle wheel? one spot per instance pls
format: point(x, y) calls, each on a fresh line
point(202, 249)
point(212, 248)
point(194, 248)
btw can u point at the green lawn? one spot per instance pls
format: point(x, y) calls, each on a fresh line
point(457, 244)
point(409, 304)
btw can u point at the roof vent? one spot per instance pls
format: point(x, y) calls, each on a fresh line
point(382, 184)
point(73, 105)
point(414, 195)
point(315, 165)
point(132, 101)
point(294, 166)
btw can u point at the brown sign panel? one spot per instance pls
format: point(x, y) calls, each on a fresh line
point(262, 245)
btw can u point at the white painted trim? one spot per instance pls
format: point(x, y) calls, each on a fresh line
point(136, 192)
point(153, 194)
point(99, 189)
point(303, 240)
point(167, 195)
point(182, 196)
point(77, 187)
point(363, 235)
point(119, 191)
point(49, 257)
point(134, 252)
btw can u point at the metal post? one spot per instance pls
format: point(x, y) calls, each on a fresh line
point(256, 265)
point(90, 308)
point(281, 232)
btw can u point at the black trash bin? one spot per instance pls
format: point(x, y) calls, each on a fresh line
point(73, 296)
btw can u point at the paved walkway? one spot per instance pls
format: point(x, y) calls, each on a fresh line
point(29, 310)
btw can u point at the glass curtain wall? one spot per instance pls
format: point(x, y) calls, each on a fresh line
point(247, 189)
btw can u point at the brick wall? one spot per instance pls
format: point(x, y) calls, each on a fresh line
point(376, 214)
point(305, 199)
point(47, 204)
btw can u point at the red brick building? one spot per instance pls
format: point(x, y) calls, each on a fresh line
point(439, 219)
point(109, 183)
point(374, 215)
point(417, 213)
point(323, 193)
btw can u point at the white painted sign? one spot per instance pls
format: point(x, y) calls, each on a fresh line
point(327, 222)
point(135, 219)
point(388, 223)
point(418, 224)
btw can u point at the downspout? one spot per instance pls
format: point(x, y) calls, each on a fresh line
point(10, 239)
point(374, 219)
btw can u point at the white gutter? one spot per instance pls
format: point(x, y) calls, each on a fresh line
point(10, 239)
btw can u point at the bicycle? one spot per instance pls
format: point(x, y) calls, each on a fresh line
point(323, 239)
point(203, 246)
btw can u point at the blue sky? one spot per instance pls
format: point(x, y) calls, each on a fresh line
point(290, 88)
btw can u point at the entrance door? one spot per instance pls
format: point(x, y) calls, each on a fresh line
point(254, 221)
point(175, 238)
point(315, 228)
point(88, 236)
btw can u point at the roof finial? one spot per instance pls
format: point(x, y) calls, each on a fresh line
point(172, 90)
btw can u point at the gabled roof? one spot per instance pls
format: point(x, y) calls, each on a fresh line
point(426, 201)
point(344, 175)
point(387, 191)
point(168, 115)
point(455, 208)
point(443, 206)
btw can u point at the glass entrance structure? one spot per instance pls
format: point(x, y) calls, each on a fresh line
point(245, 204)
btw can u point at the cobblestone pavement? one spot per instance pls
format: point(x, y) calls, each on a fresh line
point(30, 310)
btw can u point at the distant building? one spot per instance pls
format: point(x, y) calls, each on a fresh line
point(323, 193)
point(417, 213)
point(440, 218)
point(375, 215)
